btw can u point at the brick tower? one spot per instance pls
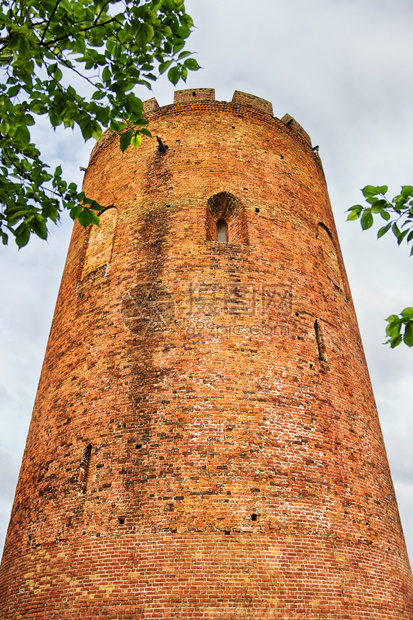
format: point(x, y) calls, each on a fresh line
point(204, 443)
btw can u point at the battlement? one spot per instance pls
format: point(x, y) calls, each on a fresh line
point(192, 95)
point(253, 102)
point(189, 95)
point(205, 98)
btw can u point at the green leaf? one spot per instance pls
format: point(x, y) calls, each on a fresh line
point(75, 212)
point(136, 140)
point(136, 104)
point(355, 212)
point(385, 215)
point(191, 64)
point(392, 318)
point(106, 74)
point(396, 230)
point(23, 237)
point(408, 334)
point(39, 227)
point(383, 230)
point(38, 107)
point(407, 313)
point(164, 66)
point(99, 94)
point(407, 191)
point(366, 219)
point(184, 54)
point(393, 329)
point(125, 140)
point(377, 205)
point(22, 133)
point(174, 75)
point(57, 74)
point(394, 342)
point(13, 91)
point(370, 190)
point(402, 236)
point(382, 189)
point(87, 216)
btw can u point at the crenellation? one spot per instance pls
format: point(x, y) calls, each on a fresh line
point(262, 105)
point(190, 95)
point(292, 124)
point(150, 105)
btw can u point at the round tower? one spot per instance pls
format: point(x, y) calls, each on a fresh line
point(204, 442)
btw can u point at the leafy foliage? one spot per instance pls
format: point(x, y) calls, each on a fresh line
point(398, 215)
point(45, 47)
point(396, 325)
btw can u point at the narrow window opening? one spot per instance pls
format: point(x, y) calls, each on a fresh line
point(329, 255)
point(222, 231)
point(320, 341)
point(254, 517)
point(84, 469)
point(225, 220)
point(121, 520)
point(100, 243)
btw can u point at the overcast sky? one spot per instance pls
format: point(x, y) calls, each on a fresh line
point(343, 70)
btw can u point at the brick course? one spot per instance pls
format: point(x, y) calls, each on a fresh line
point(204, 442)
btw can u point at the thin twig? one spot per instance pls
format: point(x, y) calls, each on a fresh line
point(66, 36)
point(49, 21)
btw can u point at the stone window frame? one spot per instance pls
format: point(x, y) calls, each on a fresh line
point(225, 207)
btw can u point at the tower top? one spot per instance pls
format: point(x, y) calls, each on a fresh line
point(206, 97)
point(193, 95)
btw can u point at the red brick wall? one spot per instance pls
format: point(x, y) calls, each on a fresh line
point(191, 453)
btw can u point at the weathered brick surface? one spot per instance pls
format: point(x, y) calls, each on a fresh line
point(189, 95)
point(204, 443)
point(252, 100)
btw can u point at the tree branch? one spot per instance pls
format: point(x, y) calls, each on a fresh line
point(69, 65)
point(66, 36)
point(49, 21)
point(103, 8)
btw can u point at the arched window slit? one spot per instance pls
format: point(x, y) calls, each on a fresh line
point(222, 231)
point(226, 220)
